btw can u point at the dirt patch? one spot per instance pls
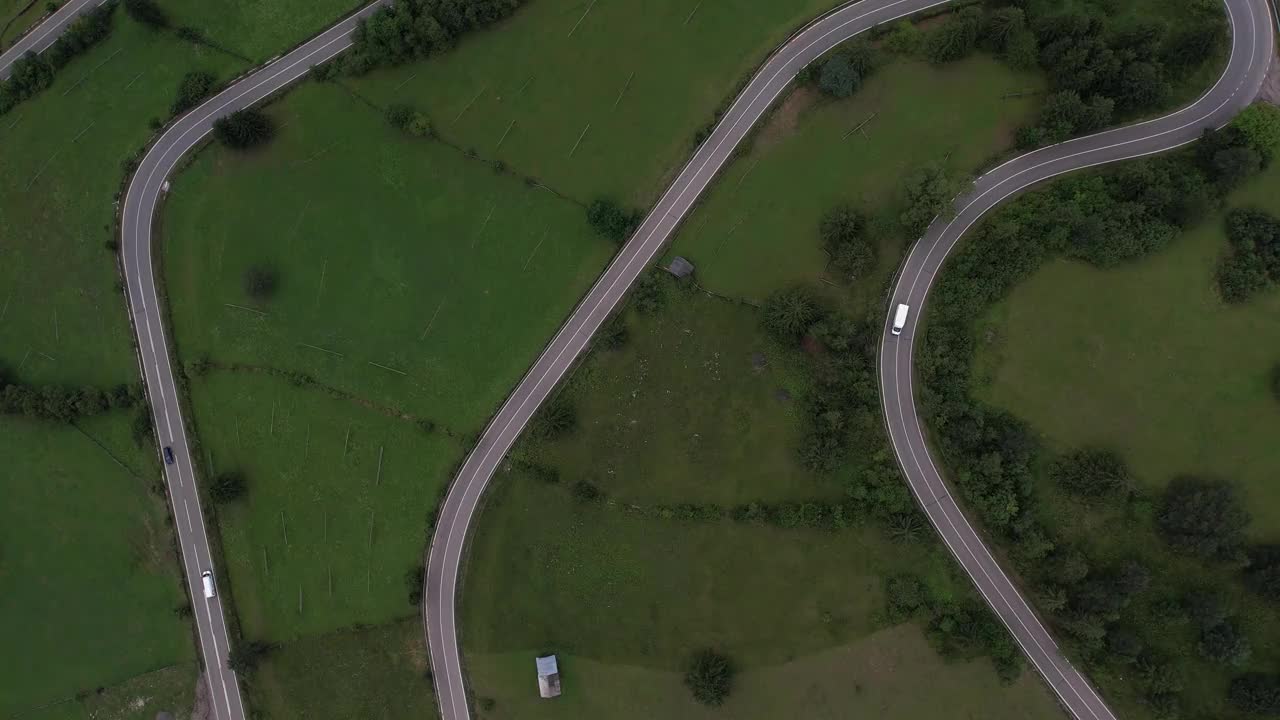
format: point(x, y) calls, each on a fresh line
point(200, 709)
point(782, 122)
point(1271, 85)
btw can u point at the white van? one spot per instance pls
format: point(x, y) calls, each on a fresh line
point(900, 319)
point(207, 577)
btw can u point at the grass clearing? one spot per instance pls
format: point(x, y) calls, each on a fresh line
point(339, 498)
point(757, 229)
point(383, 298)
point(170, 689)
point(1150, 361)
point(74, 522)
point(378, 673)
point(88, 579)
point(878, 676)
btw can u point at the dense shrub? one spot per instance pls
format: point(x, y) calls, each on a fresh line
point(1257, 693)
point(405, 118)
point(193, 89)
point(261, 282)
point(1224, 644)
point(955, 39)
point(1092, 472)
point(1263, 572)
point(244, 129)
point(844, 71)
point(409, 29)
point(147, 12)
point(843, 232)
point(228, 486)
point(709, 677)
point(789, 313)
point(611, 220)
point(1203, 517)
point(1253, 265)
point(927, 193)
point(245, 656)
point(1260, 125)
point(61, 403)
point(555, 419)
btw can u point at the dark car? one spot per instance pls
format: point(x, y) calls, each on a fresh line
point(168, 455)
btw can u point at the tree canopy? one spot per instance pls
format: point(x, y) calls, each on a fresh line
point(709, 677)
point(1203, 517)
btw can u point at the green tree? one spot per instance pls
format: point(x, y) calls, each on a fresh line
point(844, 71)
point(1260, 125)
point(557, 418)
point(1001, 26)
point(789, 313)
point(147, 12)
point(905, 38)
point(842, 232)
point(1092, 472)
point(611, 220)
point(194, 88)
point(244, 129)
point(1203, 517)
point(1257, 693)
point(956, 38)
point(246, 656)
point(709, 677)
point(927, 192)
point(228, 486)
point(261, 282)
point(1224, 644)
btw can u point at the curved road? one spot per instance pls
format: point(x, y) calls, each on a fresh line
point(1251, 52)
point(39, 38)
point(149, 182)
point(1251, 55)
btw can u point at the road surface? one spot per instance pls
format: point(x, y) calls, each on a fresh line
point(1251, 55)
point(39, 38)
point(142, 199)
point(1251, 50)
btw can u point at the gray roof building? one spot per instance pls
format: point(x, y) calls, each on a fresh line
point(548, 676)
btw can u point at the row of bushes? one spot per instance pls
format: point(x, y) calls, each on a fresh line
point(63, 404)
point(410, 29)
point(33, 73)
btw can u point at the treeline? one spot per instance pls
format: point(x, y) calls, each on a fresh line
point(1102, 609)
point(61, 403)
point(409, 29)
point(34, 73)
point(1097, 68)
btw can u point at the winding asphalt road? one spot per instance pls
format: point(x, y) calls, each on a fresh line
point(39, 38)
point(1250, 55)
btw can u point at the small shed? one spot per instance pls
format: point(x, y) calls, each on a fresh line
point(680, 267)
point(548, 676)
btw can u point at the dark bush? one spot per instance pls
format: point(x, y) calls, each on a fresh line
point(1092, 473)
point(955, 39)
point(709, 677)
point(244, 129)
point(261, 282)
point(851, 252)
point(844, 71)
point(228, 486)
point(193, 89)
point(245, 656)
point(414, 579)
point(1257, 693)
point(146, 12)
point(788, 314)
point(611, 221)
point(586, 492)
point(410, 29)
point(1203, 517)
point(557, 418)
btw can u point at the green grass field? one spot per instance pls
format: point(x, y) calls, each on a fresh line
point(170, 689)
point(1150, 361)
point(877, 676)
point(757, 230)
point(74, 523)
point(379, 674)
point(88, 575)
point(325, 537)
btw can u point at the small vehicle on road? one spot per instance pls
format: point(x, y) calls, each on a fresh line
point(168, 455)
point(900, 318)
point(207, 578)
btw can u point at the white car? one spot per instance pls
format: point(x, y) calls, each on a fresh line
point(207, 577)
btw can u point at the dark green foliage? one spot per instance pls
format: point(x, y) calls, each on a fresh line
point(1066, 115)
point(614, 334)
point(261, 282)
point(1260, 125)
point(1263, 573)
point(193, 89)
point(587, 492)
point(414, 579)
point(141, 429)
point(927, 193)
point(146, 12)
point(843, 232)
point(906, 595)
point(406, 119)
point(648, 296)
point(409, 29)
point(955, 39)
point(1228, 157)
point(788, 314)
point(1193, 44)
point(1205, 608)
point(1224, 644)
point(611, 220)
point(709, 677)
point(1254, 262)
point(1092, 473)
point(1001, 26)
point(244, 129)
point(1257, 693)
point(844, 71)
point(60, 403)
point(32, 73)
point(1203, 517)
point(555, 419)
point(245, 656)
point(228, 486)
